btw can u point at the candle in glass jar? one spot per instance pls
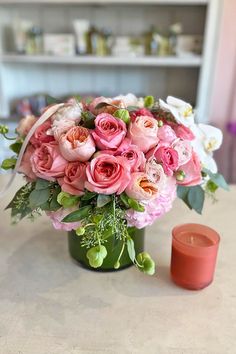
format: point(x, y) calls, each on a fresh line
point(193, 258)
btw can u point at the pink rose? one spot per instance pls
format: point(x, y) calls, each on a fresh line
point(143, 132)
point(57, 217)
point(192, 170)
point(183, 132)
point(74, 179)
point(135, 158)
point(141, 112)
point(168, 158)
point(155, 173)
point(26, 166)
point(107, 174)
point(166, 134)
point(184, 150)
point(42, 134)
point(109, 131)
point(141, 187)
point(155, 208)
point(47, 162)
point(77, 144)
point(25, 125)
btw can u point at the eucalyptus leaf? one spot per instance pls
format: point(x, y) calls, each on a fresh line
point(135, 205)
point(88, 196)
point(196, 197)
point(38, 197)
point(217, 178)
point(182, 193)
point(42, 184)
point(131, 249)
point(102, 200)
point(78, 215)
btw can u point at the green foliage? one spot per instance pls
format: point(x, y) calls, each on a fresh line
point(193, 197)
point(102, 200)
point(8, 164)
point(38, 198)
point(211, 187)
point(149, 101)
point(131, 249)
point(4, 129)
point(78, 215)
point(15, 147)
point(217, 179)
point(51, 100)
point(145, 263)
point(80, 231)
point(88, 119)
point(123, 114)
point(131, 203)
point(88, 196)
point(20, 203)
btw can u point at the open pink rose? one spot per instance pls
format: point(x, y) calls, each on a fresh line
point(184, 150)
point(25, 125)
point(143, 132)
point(47, 162)
point(167, 157)
point(155, 173)
point(192, 170)
point(140, 112)
point(42, 134)
point(141, 187)
point(135, 158)
point(77, 144)
point(166, 134)
point(109, 131)
point(107, 174)
point(26, 166)
point(57, 217)
point(74, 179)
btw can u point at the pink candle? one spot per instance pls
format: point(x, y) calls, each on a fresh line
point(193, 258)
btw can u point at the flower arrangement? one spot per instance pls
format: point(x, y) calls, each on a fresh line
point(105, 166)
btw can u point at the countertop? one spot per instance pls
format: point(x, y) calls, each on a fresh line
point(50, 305)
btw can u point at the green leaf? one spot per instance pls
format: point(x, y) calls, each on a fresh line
point(211, 186)
point(102, 200)
point(135, 205)
point(42, 184)
point(88, 196)
point(88, 119)
point(15, 147)
point(196, 197)
point(182, 193)
point(131, 249)
point(217, 178)
point(149, 101)
point(78, 215)
point(8, 164)
point(54, 205)
point(122, 114)
point(51, 100)
point(38, 197)
point(124, 198)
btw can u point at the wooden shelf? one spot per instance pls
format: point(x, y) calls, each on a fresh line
point(190, 61)
point(107, 2)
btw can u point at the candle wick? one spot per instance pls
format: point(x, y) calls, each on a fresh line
point(191, 239)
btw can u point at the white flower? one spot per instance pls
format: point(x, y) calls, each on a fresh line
point(70, 111)
point(130, 100)
point(207, 140)
point(182, 111)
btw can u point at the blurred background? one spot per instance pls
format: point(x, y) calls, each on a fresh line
point(184, 48)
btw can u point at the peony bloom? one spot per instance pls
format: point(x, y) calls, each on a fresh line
point(182, 111)
point(141, 187)
point(154, 208)
point(77, 144)
point(70, 111)
point(143, 132)
point(184, 150)
point(74, 179)
point(26, 166)
point(167, 157)
point(192, 171)
point(47, 162)
point(135, 158)
point(42, 134)
point(25, 125)
point(57, 216)
point(155, 173)
point(107, 174)
point(109, 131)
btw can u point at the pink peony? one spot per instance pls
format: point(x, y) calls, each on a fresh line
point(109, 131)
point(47, 162)
point(77, 144)
point(143, 132)
point(192, 170)
point(135, 158)
point(167, 157)
point(140, 187)
point(155, 208)
point(26, 166)
point(74, 179)
point(107, 174)
point(57, 216)
point(166, 134)
point(25, 125)
point(42, 134)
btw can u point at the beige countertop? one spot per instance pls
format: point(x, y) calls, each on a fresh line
point(49, 305)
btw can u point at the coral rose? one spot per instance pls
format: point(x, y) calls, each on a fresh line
point(135, 158)
point(155, 173)
point(74, 179)
point(26, 166)
point(109, 131)
point(143, 132)
point(141, 187)
point(47, 162)
point(107, 174)
point(42, 134)
point(167, 157)
point(77, 144)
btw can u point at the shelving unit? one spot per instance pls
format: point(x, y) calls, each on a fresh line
point(187, 77)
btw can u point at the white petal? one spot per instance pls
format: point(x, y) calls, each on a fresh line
point(210, 164)
point(176, 102)
point(213, 137)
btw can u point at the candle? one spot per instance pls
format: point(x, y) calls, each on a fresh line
point(193, 258)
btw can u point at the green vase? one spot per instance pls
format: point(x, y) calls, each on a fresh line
point(79, 253)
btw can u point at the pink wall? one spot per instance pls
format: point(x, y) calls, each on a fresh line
point(223, 102)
